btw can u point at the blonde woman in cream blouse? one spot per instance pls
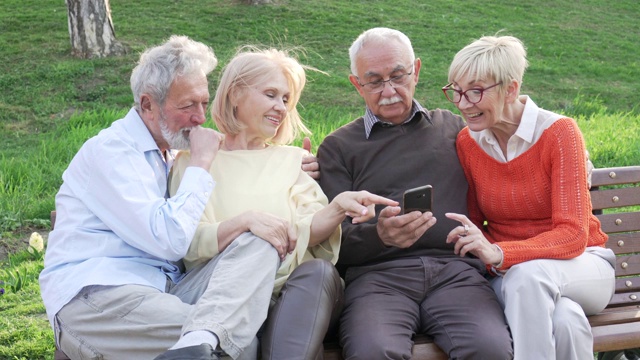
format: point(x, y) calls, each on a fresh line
point(260, 188)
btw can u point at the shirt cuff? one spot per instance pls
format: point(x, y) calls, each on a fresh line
point(198, 181)
point(496, 267)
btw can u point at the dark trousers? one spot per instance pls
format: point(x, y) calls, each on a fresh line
point(449, 300)
point(308, 306)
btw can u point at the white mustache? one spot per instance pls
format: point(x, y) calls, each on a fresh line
point(392, 100)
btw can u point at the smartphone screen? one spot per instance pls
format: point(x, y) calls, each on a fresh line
point(417, 199)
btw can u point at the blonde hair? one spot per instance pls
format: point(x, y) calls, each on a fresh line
point(501, 58)
point(252, 66)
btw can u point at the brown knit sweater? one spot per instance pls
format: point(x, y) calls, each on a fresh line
point(538, 204)
point(392, 160)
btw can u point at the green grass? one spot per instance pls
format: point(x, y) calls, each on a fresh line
point(583, 55)
point(25, 331)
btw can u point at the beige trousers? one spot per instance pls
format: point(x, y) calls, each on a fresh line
point(228, 296)
point(546, 303)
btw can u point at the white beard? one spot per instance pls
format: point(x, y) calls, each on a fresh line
point(178, 140)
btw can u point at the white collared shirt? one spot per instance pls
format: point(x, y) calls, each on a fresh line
point(533, 123)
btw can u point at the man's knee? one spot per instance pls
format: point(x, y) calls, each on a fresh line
point(375, 343)
point(363, 335)
point(486, 345)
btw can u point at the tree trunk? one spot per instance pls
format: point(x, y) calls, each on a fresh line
point(91, 29)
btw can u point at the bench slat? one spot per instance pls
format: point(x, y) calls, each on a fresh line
point(332, 353)
point(628, 284)
point(624, 299)
point(620, 222)
point(627, 265)
point(52, 216)
point(616, 316)
point(615, 175)
point(60, 355)
point(624, 243)
point(428, 351)
point(612, 198)
point(616, 337)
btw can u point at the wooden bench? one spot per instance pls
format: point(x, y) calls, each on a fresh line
point(617, 328)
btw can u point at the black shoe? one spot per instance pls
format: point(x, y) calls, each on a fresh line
point(197, 352)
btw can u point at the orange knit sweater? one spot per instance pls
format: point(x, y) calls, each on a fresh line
point(538, 204)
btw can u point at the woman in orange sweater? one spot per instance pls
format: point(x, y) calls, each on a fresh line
point(530, 214)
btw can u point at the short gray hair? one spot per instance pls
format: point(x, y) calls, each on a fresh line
point(499, 58)
point(159, 66)
point(374, 35)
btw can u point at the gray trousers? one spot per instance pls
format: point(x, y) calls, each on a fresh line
point(449, 300)
point(229, 296)
point(545, 302)
point(309, 304)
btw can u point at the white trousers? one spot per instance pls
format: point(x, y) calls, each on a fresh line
point(546, 302)
point(228, 296)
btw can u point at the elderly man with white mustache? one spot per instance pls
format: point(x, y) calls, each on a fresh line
point(401, 275)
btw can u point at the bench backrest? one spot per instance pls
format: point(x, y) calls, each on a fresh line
point(616, 188)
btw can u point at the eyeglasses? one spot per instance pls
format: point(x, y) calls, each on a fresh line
point(473, 96)
point(394, 81)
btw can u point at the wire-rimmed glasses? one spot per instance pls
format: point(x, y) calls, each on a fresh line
point(394, 81)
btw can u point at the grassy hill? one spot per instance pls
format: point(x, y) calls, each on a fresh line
point(583, 54)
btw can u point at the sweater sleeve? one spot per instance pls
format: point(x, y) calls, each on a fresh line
point(462, 147)
point(463, 142)
point(307, 199)
point(570, 202)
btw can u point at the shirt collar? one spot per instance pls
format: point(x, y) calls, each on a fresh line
point(136, 128)
point(526, 130)
point(370, 119)
point(529, 120)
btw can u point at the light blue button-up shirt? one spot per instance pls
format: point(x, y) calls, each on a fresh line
point(114, 225)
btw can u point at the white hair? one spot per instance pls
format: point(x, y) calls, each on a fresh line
point(377, 35)
point(159, 66)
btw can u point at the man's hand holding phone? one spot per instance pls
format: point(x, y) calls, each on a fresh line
point(402, 229)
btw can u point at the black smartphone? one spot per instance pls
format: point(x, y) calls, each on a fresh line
point(420, 199)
